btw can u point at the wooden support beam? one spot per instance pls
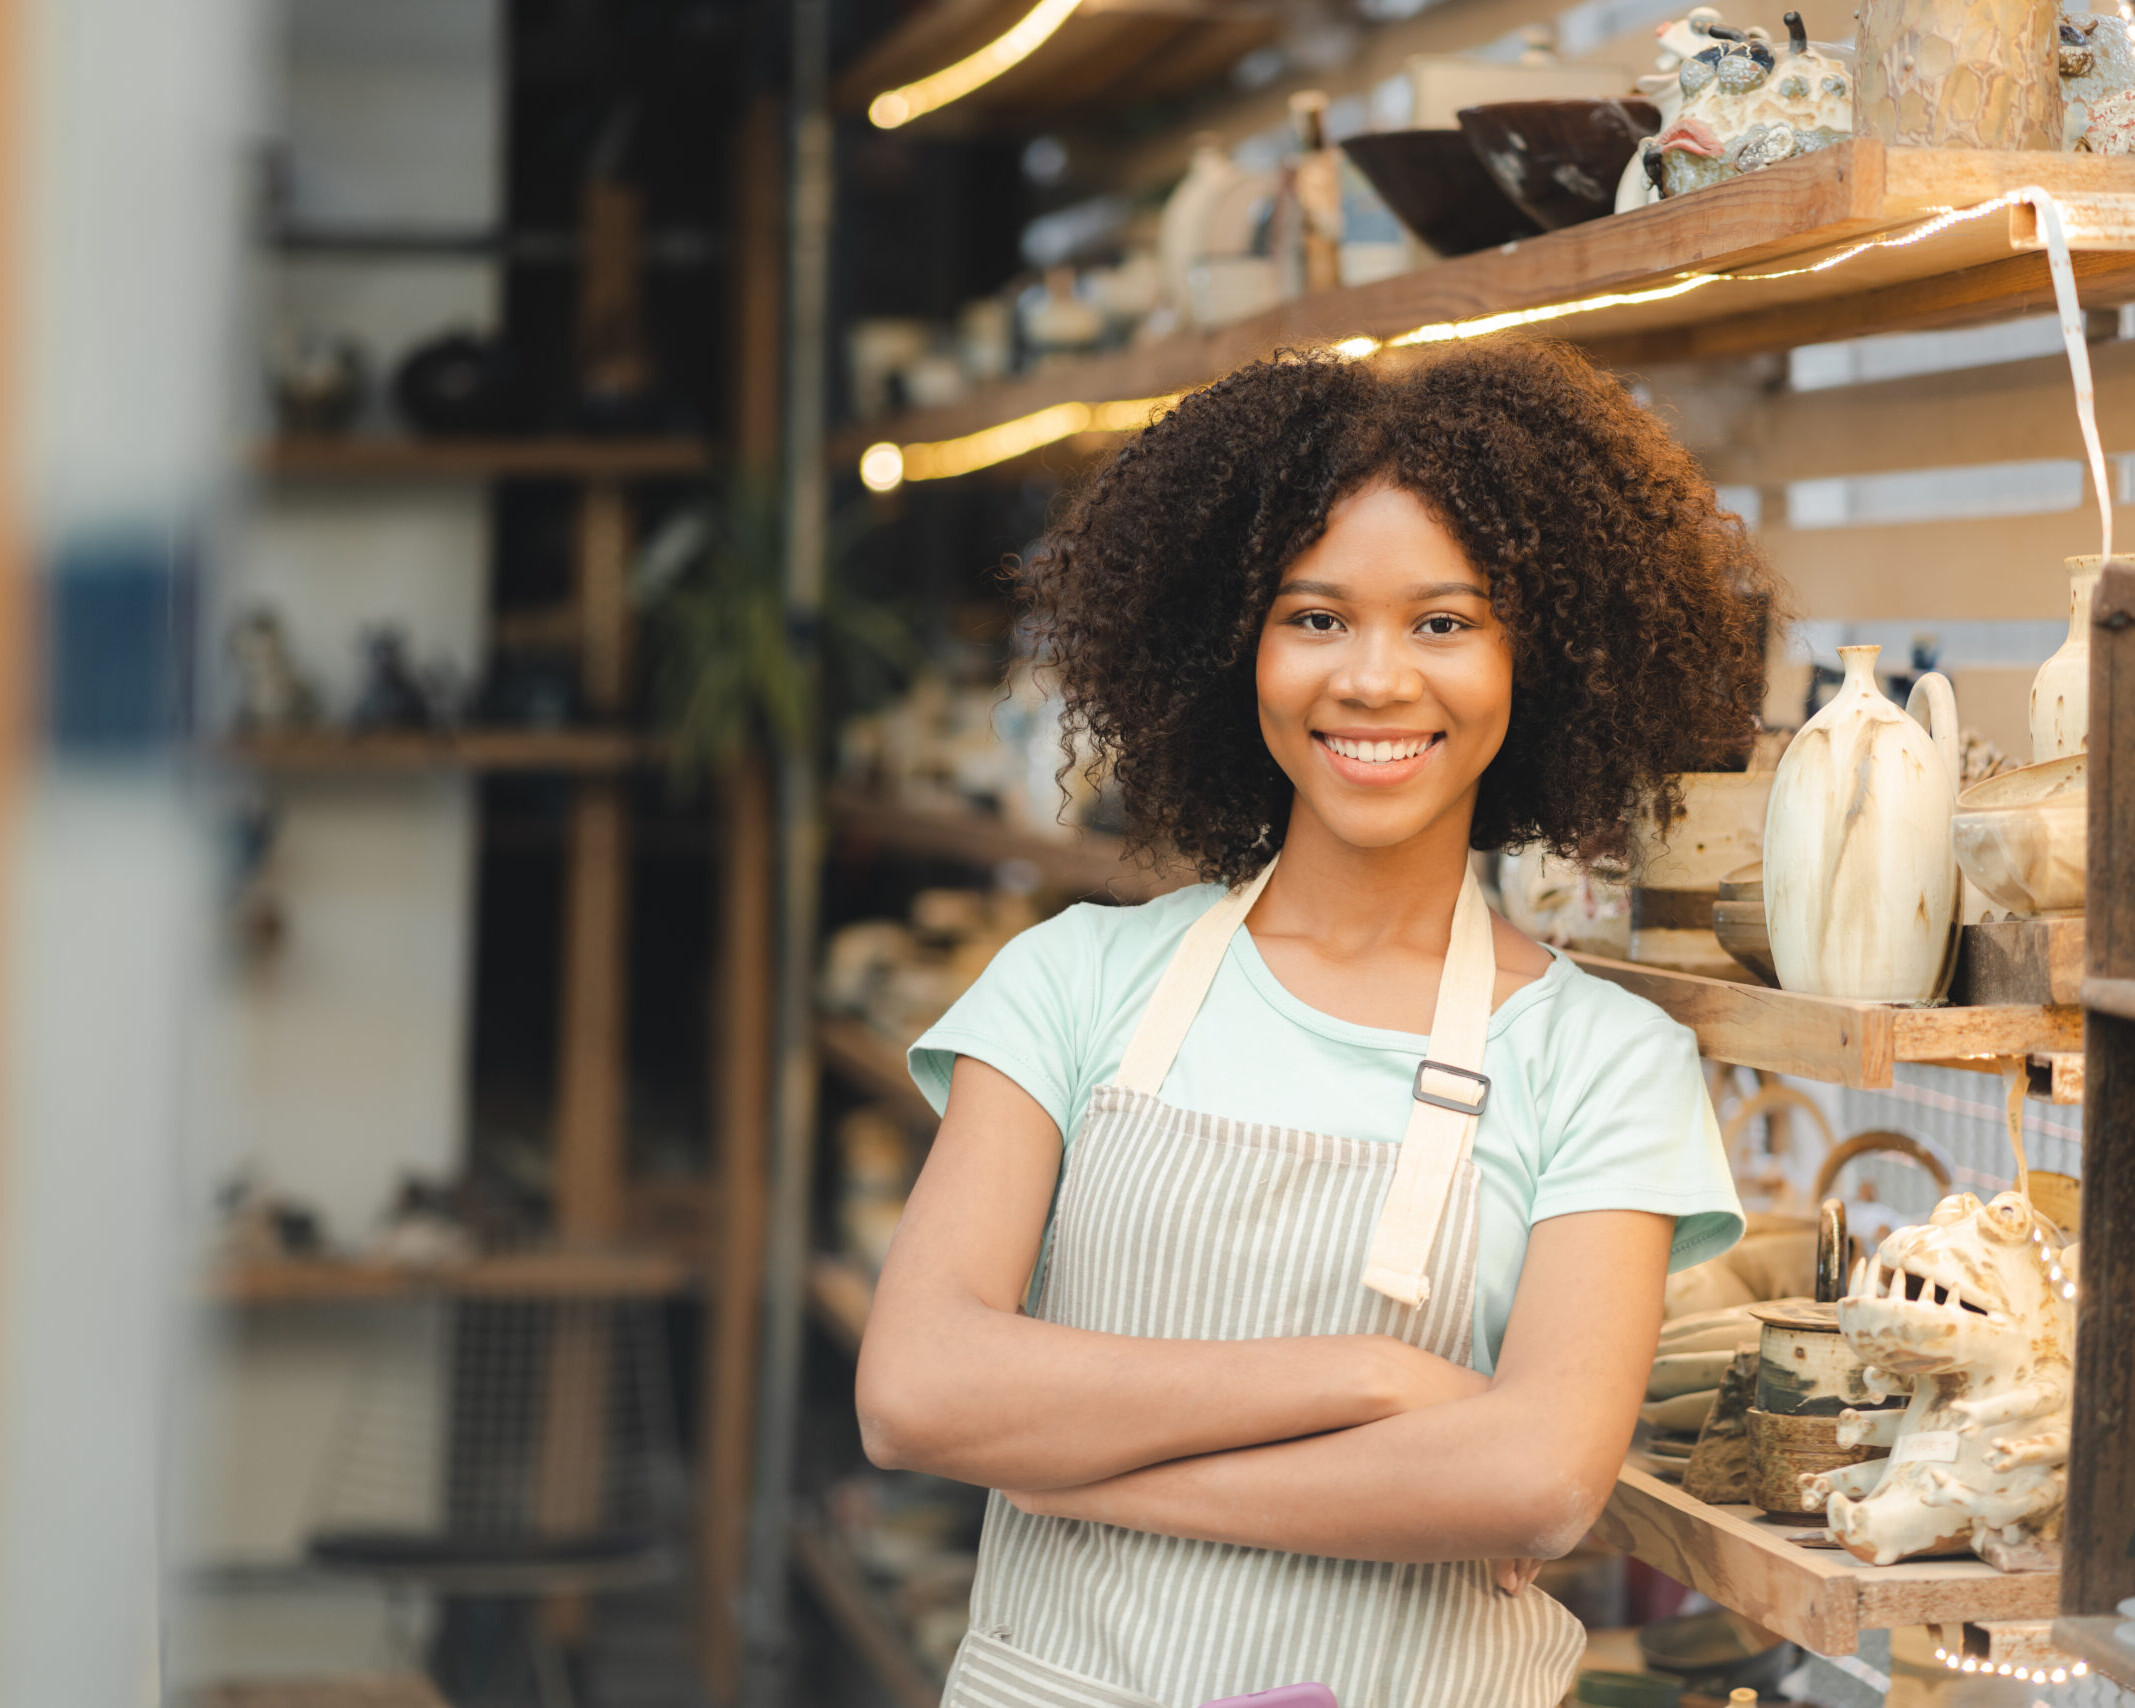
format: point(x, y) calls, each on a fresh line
point(2098, 1564)
point(604, 538)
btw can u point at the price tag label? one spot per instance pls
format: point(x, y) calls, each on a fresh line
point(1935, 1446)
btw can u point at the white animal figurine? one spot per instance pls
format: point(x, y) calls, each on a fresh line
point(1679, 39)
point(1977, 1307)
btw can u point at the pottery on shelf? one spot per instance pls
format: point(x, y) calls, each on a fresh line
point(1747, 105)
point(1960, 73)
point(2097, 64)
point(2061, 691)
point(1559, 161)
point(1738, 921)
point(1436, 187)
point(2020, 836)
point(1860, 887)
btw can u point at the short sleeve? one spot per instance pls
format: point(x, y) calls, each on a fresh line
point(1028, 1014)
point(1640, 1134)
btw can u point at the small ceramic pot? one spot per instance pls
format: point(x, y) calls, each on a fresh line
point(2061, 691)
point(1860, 889)
point(1805, 1368)
point(1784, 1448)
point(1738, 921)
point(2021, 836)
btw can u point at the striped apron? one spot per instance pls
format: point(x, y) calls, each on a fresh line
point(1183, 1225)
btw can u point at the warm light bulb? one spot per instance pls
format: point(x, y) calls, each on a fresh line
point(882, 468)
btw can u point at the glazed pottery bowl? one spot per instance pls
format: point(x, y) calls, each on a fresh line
point(1738, 920)
point(2020, 836)
point(1559, 161)
point(1438, 189)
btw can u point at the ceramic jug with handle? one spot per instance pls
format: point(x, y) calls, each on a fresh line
point(1860, 885)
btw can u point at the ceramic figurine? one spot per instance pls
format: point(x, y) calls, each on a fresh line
point(1746, 107)
point(271, 695)
point(1960, 73)
point(2097, 60)
point(319, 384)
point(1977, 1307)
point(1679, 39)
point(2061, 691)
point(1860, 886)
point(391, 697)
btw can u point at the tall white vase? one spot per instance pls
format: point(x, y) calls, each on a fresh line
point(1860, 885)
point(2061, 691)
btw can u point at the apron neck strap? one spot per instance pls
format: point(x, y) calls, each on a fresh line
point(1184, 987)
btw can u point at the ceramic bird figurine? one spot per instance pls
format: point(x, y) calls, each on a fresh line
point(1977, 1307)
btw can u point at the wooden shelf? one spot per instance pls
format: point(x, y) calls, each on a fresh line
point(1085, 862)
point(873, 1630)
point(383, 458)
point(1108, 55)
point(1822, 1598)
point(2096, 1641)
point(1784, 218)
point(872, 1063)
point(521, 1275)
point(840, 1295)
point(1830, 1038)
point(574, 750)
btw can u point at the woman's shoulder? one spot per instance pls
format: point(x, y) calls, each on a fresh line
point(1575, 1010)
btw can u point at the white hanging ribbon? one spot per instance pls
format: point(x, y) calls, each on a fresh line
point(2055, 236)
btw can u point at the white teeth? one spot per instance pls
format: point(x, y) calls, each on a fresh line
point(1377, 752)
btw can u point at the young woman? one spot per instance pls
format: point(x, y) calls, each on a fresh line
point(1287, 1361)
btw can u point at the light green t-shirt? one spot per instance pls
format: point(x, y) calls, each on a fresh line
point(1596, 1101)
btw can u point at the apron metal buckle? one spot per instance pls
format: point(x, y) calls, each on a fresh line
point(1452, 1103)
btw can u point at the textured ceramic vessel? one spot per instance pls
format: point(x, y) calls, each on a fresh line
point(1860, 886)
point(2061, 691)
point(1960, 73)
point(2022, 836)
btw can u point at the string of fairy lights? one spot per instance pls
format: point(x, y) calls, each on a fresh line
point(886, 465)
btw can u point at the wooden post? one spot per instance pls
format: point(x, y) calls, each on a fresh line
point(2098, 1559)
point(1960, 73)
point(744, 909)
point(590, 1087)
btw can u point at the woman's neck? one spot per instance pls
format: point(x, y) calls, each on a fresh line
point(1351, 899)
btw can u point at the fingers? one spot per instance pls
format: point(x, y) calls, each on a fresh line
point(1512, 1576)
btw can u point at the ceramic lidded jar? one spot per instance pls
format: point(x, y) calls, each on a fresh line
point(2061, 691)
point(1860, 885)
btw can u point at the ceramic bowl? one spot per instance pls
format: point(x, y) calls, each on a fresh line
point(1438, 189)
point(1738, 921)
point(2020, 836)
point(1559, 161)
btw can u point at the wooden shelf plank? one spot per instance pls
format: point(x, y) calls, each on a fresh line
point(872, 1063)
point(517, 1275)
point(1082, 862)
point(1783, 219)
point(841, 1295)
point(1830, 1038)
point(384, 458)
point(2096, 1640)
point(859, 1612)
point(575, 750)
point(1822, 1598)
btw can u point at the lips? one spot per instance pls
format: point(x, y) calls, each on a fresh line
point(1357, 757)
point(1689, 136)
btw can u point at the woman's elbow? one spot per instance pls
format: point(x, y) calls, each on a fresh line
point(1556, 1502)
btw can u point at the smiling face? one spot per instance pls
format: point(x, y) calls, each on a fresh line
point(1384, 677)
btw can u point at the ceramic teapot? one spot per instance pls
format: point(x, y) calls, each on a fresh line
point(1746, 107)
point(1860, 885)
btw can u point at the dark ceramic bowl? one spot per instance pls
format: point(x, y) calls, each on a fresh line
point(1559, 161)
point(1438, 189)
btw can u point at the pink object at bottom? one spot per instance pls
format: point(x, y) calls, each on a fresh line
point(1284, 1696)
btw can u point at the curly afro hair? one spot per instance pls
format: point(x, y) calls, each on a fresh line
point(1635, 606)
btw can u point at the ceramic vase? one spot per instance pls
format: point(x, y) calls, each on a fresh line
point(2061, 691)
point(1959, 73)
point(1860, 885)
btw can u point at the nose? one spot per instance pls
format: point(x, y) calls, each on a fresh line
point(1377, 671)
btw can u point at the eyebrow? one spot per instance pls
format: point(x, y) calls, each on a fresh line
point(1427, 590)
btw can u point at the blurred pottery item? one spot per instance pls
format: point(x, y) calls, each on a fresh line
point(1559, 901)
point(1881, 1140)
point(1059, 320)
point(1730, 1327)
point(2021, 836)
point(271, 695)
point(461, 385)
point(1977, 1308)
point(1680, 1411)
point(1738, 920)
point(1747, 105)
point(2061, 691)
point(2112, 125)
point(1559, 161)
point(1717, 1651)
point(1722, 827)
point(1673, 929)
point(1719, 1469)
point(1860, 888)
point(1179, 242)
point(391, 697)
point(319, 384)
point(1438, 189)
point(1961, 73)
point(1765, 1101)
point(1228, 288)
point(1687, 1372)
point(1785, 1448)
point(2097, 65)
point(1600, 1688)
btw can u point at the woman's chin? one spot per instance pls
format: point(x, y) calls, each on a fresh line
point(1377, 824)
